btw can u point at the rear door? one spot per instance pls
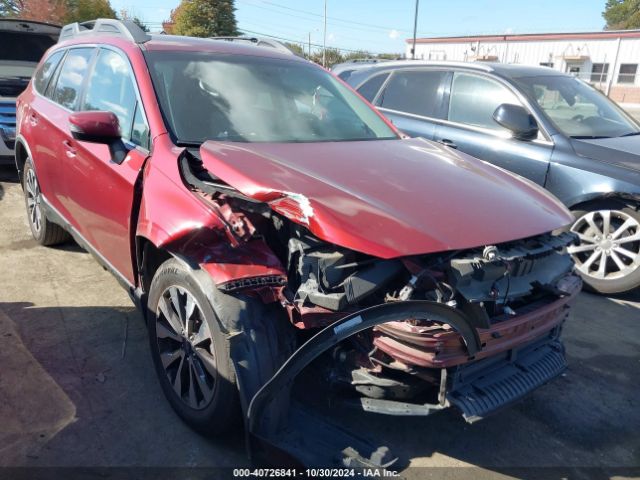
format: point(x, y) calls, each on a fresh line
point(470, 127)
point(413, 100)
point(100, 192)
point(45, 121)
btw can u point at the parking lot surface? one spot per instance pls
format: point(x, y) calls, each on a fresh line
point(77, 387)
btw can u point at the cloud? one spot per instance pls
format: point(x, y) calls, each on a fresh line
point(509, 30)
point(331, 37)
point(393, 34)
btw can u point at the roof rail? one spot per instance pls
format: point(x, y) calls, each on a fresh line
point(105, 26)
point(260, 42)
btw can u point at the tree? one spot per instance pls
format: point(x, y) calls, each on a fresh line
point(10, 8)
point(168, 25)
point(622, 14)
point(359, 54)
point(204, 18)
point(333, 56)
point(84, 10)
point(51, 11)
point(296, 48)
point(128, 15)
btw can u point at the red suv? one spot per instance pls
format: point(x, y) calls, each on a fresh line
point(266, 218)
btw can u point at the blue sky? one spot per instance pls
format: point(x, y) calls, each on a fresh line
point(382, 25)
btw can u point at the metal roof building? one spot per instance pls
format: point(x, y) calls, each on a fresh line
point(608, 59)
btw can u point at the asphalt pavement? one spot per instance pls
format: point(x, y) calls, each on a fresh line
point(77, 387)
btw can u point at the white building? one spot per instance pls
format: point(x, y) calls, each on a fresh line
point(609, 59)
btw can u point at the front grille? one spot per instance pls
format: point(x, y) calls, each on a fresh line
point(8, 123)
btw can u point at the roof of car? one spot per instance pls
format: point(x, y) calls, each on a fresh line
point(180, 43)
point(363, 71)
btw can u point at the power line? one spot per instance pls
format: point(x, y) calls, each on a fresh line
point(303, 42)
point(376, 29)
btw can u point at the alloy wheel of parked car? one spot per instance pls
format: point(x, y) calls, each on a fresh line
point(186, 347)
point(608, 256)
point(44, 231)
point(32, 192)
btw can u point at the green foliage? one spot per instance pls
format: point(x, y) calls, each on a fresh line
point(356, 55)
point(622, 14)
point(84, 10)
point(205, 18)
point(296, 47)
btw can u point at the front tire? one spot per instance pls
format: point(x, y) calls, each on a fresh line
point(190, 353)
point(44, 231)
point(608, 256)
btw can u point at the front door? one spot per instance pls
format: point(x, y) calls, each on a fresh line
point(100, 192)
point(470, 127)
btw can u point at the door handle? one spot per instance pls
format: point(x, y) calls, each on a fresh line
point(448, 143)
point(70, 150)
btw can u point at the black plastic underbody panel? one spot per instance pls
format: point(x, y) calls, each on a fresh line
point(481, 388)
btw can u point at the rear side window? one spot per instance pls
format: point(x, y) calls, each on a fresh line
point(369, 89)
point(417, 92)
point(475, 98)
point(43, 75)
point(74, 70)
point(111, 89)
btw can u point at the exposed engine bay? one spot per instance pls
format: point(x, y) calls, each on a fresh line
point(497, 297)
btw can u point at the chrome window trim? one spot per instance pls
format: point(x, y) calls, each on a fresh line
point(488, 131)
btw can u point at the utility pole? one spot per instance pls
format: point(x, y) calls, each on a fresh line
point(415, 28)
point(324, 40)
point(309, 45)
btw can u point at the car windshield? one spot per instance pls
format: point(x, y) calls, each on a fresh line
point(242, 98)
point(577, 109)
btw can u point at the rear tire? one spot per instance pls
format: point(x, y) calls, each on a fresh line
point(608, 257)
point(44, 231)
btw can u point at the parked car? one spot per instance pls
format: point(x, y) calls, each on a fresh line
point(246, 198)
point(547, 126)
point(22, 44)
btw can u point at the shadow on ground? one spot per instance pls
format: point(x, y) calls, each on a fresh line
point(98, 356)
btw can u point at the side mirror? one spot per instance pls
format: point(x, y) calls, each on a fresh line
point(516, 119)
point(99, 127)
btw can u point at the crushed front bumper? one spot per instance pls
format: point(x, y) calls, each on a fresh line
point(278, 427)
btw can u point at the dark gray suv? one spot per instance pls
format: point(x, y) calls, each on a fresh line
point(22, 44)
point(544, 125)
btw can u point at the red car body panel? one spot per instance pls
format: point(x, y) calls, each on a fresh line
point(388, 198)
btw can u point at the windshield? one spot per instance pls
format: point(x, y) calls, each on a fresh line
point(577, 109)
point(241, 98)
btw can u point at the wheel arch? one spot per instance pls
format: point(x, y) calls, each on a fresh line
point(620, 199)
point(22, 152)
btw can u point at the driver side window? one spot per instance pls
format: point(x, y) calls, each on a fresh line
point(474, 99)
point(111, 89)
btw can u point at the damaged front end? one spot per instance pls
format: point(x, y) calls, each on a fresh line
point(470, 328)
point(494, 302)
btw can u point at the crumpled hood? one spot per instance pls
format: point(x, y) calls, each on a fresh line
point(622, 151)
point(388, 198)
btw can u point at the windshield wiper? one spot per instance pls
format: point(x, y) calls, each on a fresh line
point(630, 134)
